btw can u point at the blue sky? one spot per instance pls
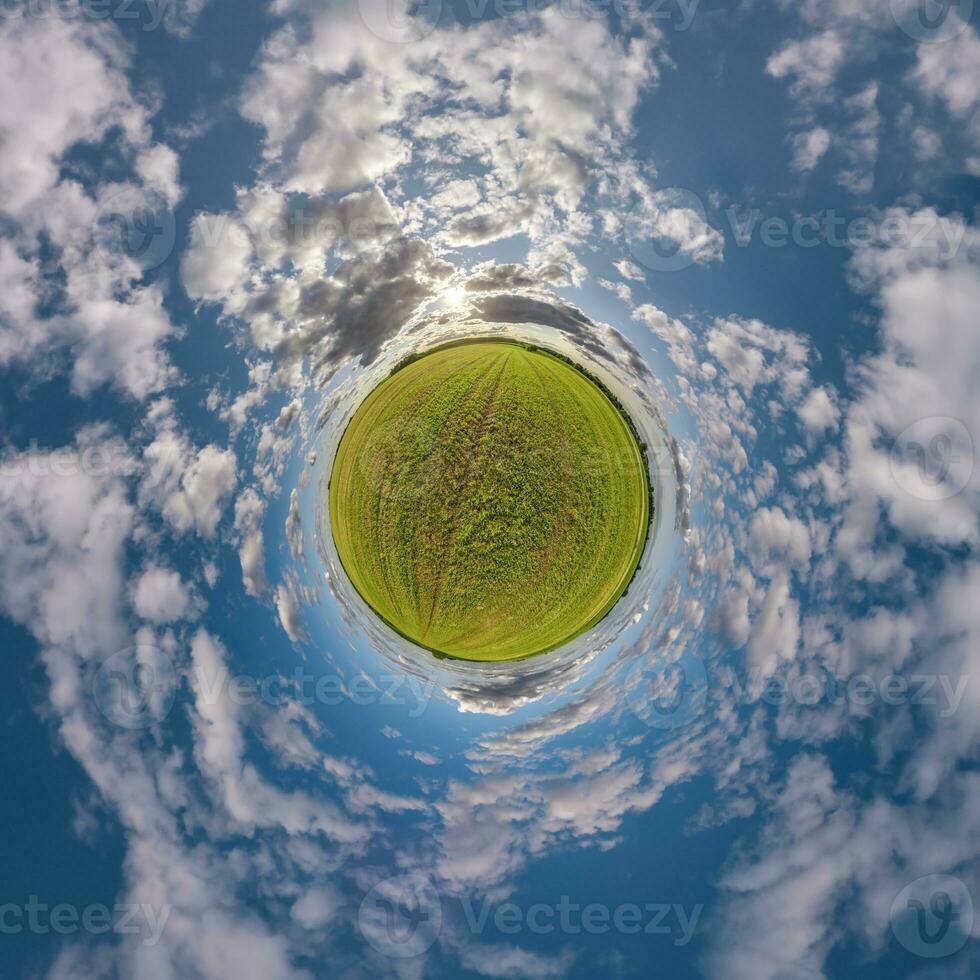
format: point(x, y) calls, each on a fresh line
point(221, 223)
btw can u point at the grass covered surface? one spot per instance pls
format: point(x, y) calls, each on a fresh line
point(489, 501)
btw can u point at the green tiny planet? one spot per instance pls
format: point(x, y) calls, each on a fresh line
point(490, 501)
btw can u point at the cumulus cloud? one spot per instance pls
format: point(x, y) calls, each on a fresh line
point(61, 569)
point(809, 148)
point(339, 140)
point(294, 528)
point(216, 263)
point(812, 64)
point(918, 387)
point(65, 84)
point(819, 411)
point(189, 487)
point(289, 614)
point(948, 72)
point(859, 139)
point(777, 541)
point(753, 353)
point(249, 511)
point(512, 961)
point(160, 595)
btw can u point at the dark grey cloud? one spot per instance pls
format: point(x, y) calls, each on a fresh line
point(365, 303)
point(488, 226)
point(506, 276)
point(598, 339)
point(513, 308)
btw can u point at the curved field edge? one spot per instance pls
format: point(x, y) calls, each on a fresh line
point(496, 646)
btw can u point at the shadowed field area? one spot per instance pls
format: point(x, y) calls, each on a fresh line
point(489, 501)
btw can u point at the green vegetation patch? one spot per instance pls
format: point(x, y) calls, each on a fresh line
point(489, 501)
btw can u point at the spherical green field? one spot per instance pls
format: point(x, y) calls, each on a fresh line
point(489, 501)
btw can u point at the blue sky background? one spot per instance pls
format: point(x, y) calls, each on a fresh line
point(585, 180)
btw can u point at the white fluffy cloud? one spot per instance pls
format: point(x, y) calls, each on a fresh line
point(249, 510)
point(920, 393)
point(754, 353)
point(819, 411)
point(160, 595)
point(809, 147)
point(812, 64)
point(189, 487)
point(538, 106)
point(61, 548)
point(216, 263)
point(948, 72)
point(65, 83)
point(842, 37)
